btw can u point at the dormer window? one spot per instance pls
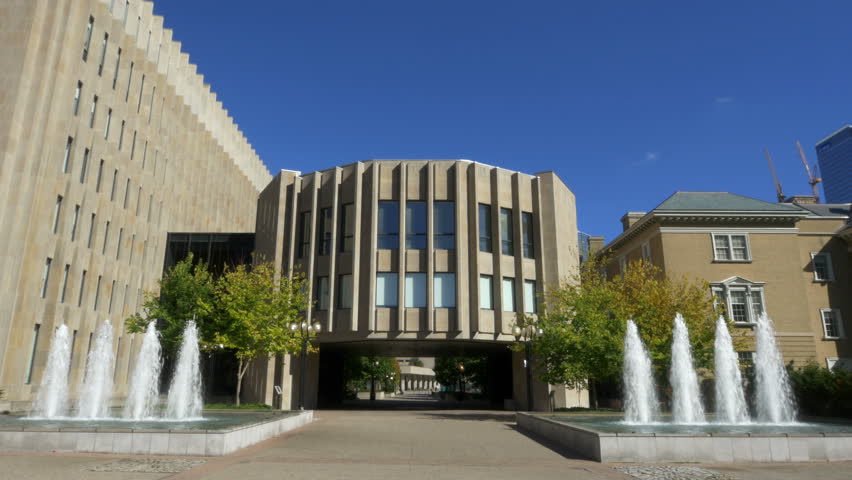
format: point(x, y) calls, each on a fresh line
point(728, 247)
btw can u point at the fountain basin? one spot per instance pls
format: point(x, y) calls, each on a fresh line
point(606, 438)
point(218, 433)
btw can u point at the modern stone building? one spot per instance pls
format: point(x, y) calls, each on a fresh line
point(416, 257)
point(789, 260)
point(109, 139)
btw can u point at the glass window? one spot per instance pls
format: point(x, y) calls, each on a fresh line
point(66, 158)
point(508, 294)
point(107, 123)
point(77, 92)
point(74, 222)
point(64, 283)
point(126, 191)
point(121, 138)
point(85, 166)
point(82, 289)
point(728, 247)
point(88, 39)
point(445, 225)
point(94, 110)
point(444, 290)
point(344, 291)
point(831, 323)
point(103, 54)
point(117, 65)
point(822, 267)
point(486, 292)
point(111, 297)
point(106, 238)
point(646, 251)
point(97, 293)
point(45, 276)
point(485, 228)
point(528, 235)
point(739, 310)
point(304, 233)
point(530, 303)
point(415, 225)
point(100, 175)
point(506, 229)
point(322, 293)
point(118, 243)
point(33, 353)
point(56, 212)
point(388, 225)
point(141, 90)
point(347, 227)
point(114, 181)
point(129, 80)
point(324, 233)
point(387, 289)
point(415, 290)
point(91, 232)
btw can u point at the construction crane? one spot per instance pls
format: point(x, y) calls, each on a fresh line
point(778, 192)
point(813, 177)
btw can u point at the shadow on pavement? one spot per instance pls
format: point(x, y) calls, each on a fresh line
point(555, 447)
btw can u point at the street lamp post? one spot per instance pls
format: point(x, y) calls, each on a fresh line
point(525, 333)
point(305, 331)
point(460, 367)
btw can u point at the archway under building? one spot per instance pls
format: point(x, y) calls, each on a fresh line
point(418, 391)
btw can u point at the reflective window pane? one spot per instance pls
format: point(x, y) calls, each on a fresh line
point(444, 290)
point(415, 290)
point(485, 228)
point(388, 225)
point(415, 225)
point(445, 225)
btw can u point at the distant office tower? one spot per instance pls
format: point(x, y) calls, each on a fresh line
point(835, 164)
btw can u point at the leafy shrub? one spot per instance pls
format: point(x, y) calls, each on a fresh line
point(823, 392)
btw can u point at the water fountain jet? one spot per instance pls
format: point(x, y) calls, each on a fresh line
point(97, 384)
point(145, 383)
point(52, 398)
point(185, 391)
point(730, 400)
point(774, 393)
point(640, 397)
point(686, 396)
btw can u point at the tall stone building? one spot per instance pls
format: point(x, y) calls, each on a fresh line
point(416, 257)
point(109, 139)
point(792, 261)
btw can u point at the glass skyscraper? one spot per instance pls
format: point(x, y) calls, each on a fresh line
point(835, 164)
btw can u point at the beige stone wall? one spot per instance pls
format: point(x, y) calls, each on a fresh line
point(172, 160)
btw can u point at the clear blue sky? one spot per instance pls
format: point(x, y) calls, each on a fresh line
point(627, 101)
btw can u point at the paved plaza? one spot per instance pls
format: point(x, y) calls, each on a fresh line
point(382, 444)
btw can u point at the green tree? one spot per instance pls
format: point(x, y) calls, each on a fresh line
point(362, 372)
point(583, 329)
point(471, 371)
point(186, 292)
point(256, 311)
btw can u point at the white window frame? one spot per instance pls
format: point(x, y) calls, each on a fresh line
point(730, 248)
point(838, 318)
point(646, 251)
point(830, 269)
point(722, 291)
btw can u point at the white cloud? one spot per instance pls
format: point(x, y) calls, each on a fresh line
point(724, 99)
point(652, 156)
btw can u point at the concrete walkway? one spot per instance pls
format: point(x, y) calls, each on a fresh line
point(389, 444)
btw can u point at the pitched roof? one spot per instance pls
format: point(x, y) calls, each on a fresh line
point(720, 201)
point(829, 209)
